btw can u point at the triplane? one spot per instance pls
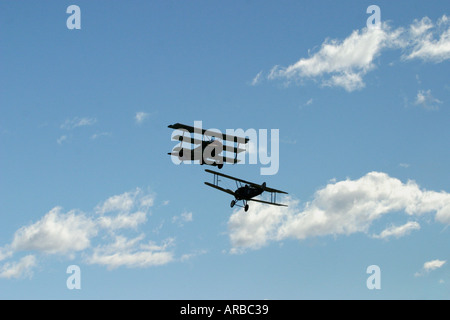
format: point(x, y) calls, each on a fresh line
point(210, 146)
point(245, 192)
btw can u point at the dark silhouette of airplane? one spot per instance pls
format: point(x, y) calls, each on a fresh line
point(209, 150)
point(245, 192)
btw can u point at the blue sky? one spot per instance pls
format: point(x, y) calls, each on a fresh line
point(85, 179)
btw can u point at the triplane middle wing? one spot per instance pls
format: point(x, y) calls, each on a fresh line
point(245, 192)
point(210, 147)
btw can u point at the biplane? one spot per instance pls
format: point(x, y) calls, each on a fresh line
point(209, 149)
point(245, 192)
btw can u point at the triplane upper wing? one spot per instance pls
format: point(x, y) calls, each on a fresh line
point(227, 137)
point(245, 193)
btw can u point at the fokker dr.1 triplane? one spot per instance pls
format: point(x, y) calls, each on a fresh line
point(245, 193)
point(210, 148)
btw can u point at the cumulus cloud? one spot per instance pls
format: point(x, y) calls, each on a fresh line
point(56, 232)
point(94, 235)
point(344, 63)
point(340, 208)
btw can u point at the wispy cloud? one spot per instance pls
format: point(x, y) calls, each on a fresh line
point(257, 79)
point(76, 122)
point(426, 100)
point(22, 268)
point(96, 136)
point(183, 218)
point(140, 117)
point(398, 231)
point(430, 266)
point(61, 139)
point(429, 41)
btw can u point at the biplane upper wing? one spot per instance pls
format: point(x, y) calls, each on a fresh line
point(191, 129)
point(220, 188)
point(230, 177)
point(273, 190)
point(247, 182)
point(267, 202)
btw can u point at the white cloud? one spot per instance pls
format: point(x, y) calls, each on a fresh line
point(433, 265)
point(96, 136)
point(344, 63)
point(257, 79)
point(125, 202)
point(61, 139)
point(398, 231)
point(5, 253)
point(430, 266)
point(184, 217)
point(76, 122)
point(188, 256)
point(340, 208)
point(423, 42)
point(56, 232)
point(20, 269)
point(426, 100)
point(140, 117)
point(123, 220)
point(132, 254)
point(94, 236)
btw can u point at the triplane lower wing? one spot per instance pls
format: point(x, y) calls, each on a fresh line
point(209, 149)
point(246, 192)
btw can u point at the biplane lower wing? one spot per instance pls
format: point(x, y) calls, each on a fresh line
point(220, 188)
point(247, 182)
point(268, 202)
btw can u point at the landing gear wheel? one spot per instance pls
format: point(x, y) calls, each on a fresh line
point(220, 165)
point(232, 203)
point(246, 208)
